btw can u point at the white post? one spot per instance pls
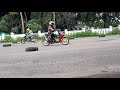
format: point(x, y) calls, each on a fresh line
point(119, 27)
point(12, 35)
point(104, 31)
point(83, 29)
point(39, 33)
point(92, 29)
point(22, 22)
point(99, 31)
point(66, 31)
point(110, 27)
point(3, 36)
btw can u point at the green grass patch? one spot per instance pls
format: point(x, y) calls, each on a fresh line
point(7, 39)
point(82, 34)
point(39, 37)
point(115, 31)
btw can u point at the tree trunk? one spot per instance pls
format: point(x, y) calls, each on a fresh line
point(87, 21)
point(104, 18)
point(41, 19)
point(22, 22)
point(25, 16)
point(54, 19)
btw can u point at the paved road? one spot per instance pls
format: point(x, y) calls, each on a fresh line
point(83, 57)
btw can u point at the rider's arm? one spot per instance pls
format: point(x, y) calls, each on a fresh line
point(52, 29)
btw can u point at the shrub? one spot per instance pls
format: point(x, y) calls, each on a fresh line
point(7, 39)
point(39, 37)
point(94, 34)
point(33, 25)
point(18, 39)
point(86, 34)
point(82, 34)
point(3, 26)
point(71, 36)
point(14, 30)
point(114, 32)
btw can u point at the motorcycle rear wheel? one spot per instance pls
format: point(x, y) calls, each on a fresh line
point(35, 40)
point(23, 41)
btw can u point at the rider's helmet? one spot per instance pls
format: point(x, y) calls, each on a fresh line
point(51, 23)
point(28, 29)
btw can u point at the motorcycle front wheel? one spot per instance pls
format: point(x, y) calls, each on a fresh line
point(65, 41)
point(45, 42)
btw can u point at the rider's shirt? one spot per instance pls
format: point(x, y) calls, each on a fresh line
point(51, 28)
point(30, 32)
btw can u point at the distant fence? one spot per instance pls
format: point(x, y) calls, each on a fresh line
point(99, 31)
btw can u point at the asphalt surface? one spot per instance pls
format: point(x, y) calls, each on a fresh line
point(90, 57)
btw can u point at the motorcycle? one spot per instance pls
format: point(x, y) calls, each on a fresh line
point(27, 38)
point(61, 38)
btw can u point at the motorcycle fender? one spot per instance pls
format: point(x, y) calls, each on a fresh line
point(61, 37)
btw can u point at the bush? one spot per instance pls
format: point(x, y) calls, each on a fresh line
point(7, 39)
point(71, 36)
point(14, 30)
point(3, 26)
point(33, 25)
point(39, 38)
point(114, 32)
point(18, 39)
point(82, 34)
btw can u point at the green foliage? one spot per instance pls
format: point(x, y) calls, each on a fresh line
point(7, 39)
point(71, 36)
point(42, 18)
point(10, 39)
point(14, 30)
point(18, 39)
point(33, 25)
point(13, 13)
point(82, 34)
point(3, 26)
point(65, 20)
point(8, 21)
point(114, 32)
point(39, 37)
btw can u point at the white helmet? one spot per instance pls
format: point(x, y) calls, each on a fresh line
point(51, 23)
point(28, 29)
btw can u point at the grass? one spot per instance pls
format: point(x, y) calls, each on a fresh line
point(39, 37)
point(10, 39)
point(82, 34)
point(115, 31)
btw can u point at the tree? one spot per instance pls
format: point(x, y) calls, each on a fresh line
point(22, 21)
point(63, 20)
point(9, 21)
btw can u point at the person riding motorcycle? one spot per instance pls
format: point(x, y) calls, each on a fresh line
point(51, 29)
point(29, 33)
